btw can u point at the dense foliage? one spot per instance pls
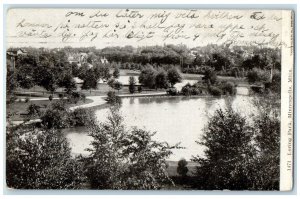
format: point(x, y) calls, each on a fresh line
point(40, 159)
point(126, 158)
point(239, 154)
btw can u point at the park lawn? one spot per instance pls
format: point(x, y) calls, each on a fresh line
point(19, 109)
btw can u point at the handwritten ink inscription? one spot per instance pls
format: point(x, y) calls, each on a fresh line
point(238, 27)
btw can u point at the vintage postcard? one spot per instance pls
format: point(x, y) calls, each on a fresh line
point(149, 99)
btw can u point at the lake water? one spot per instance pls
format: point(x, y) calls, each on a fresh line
point(175, 119)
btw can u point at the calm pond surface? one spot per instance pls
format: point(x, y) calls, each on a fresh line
point(175, 119)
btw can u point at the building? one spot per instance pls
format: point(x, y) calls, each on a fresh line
point(78, 58)
point(12, 54)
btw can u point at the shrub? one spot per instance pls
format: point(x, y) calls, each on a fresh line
point(82, 97)
point(127, 159)
point(113, 99)
point(131, 84)
point(215, 91)
point(140, 89)
point(33, 110)
point(81, 117)
point(61, 96)
point(187, 90)
point(228, 88)
point(50, 97)
point(74, 97)
point(40, 159)
point(172, 91)
point(226, 164)
point(182, 168)
point(26, 99)
point(210, 76)
point(257, 75)
point(56, 116)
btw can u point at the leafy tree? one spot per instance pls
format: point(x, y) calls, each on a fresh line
point(132, 83)
point(33, 111)
point(267, 165)
point(90, 81)
point(161, 79)
point(182, 168)
point(40, 159)
point(116, 73)
point(111, 82)
point(81, 117)
point(147, 77)
point(257, 75)
point(11, 83)
point(210, 76)
point(113, 99)
point(55, 116)
point(117, 85)
point(67, 82)
point(25, 77)
point(174, 76)
point(228, 156)
point(228, 88)
point(126, 159)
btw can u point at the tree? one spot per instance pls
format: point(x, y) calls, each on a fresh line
point(56, 116)
point(147, 77)
point(267, 142)
point(174, 76)
point(67, 82)
point(228, 158)
point(116, 73)
point(90, 80)
point(210, 76)
point(267, 167)
point(24, 76)
point(132, 83)
point(126, 159)
point(182, 168)
point(33, 111)
point(112, 98)
point(161, 79)
point(40, 159)
point(117, 85)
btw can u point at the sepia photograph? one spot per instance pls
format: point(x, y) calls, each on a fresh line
point(149, 99)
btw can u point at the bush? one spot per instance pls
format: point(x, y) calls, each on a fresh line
point(257, 75)
point(82, 97)
point(56, 116)
point(61, 96)
point(228, 88)
point(74, 97)
point(26, 99)
point(172, 91)
point(187, 90)
point(40, 159)
point(131, 84)
point(33, 110)
point(126, 159)
point(226, 164)
point(113, 99)
point(210, 76)
point(140, 89)
point(50, 97)
point(81, 117)
point(215, 91)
